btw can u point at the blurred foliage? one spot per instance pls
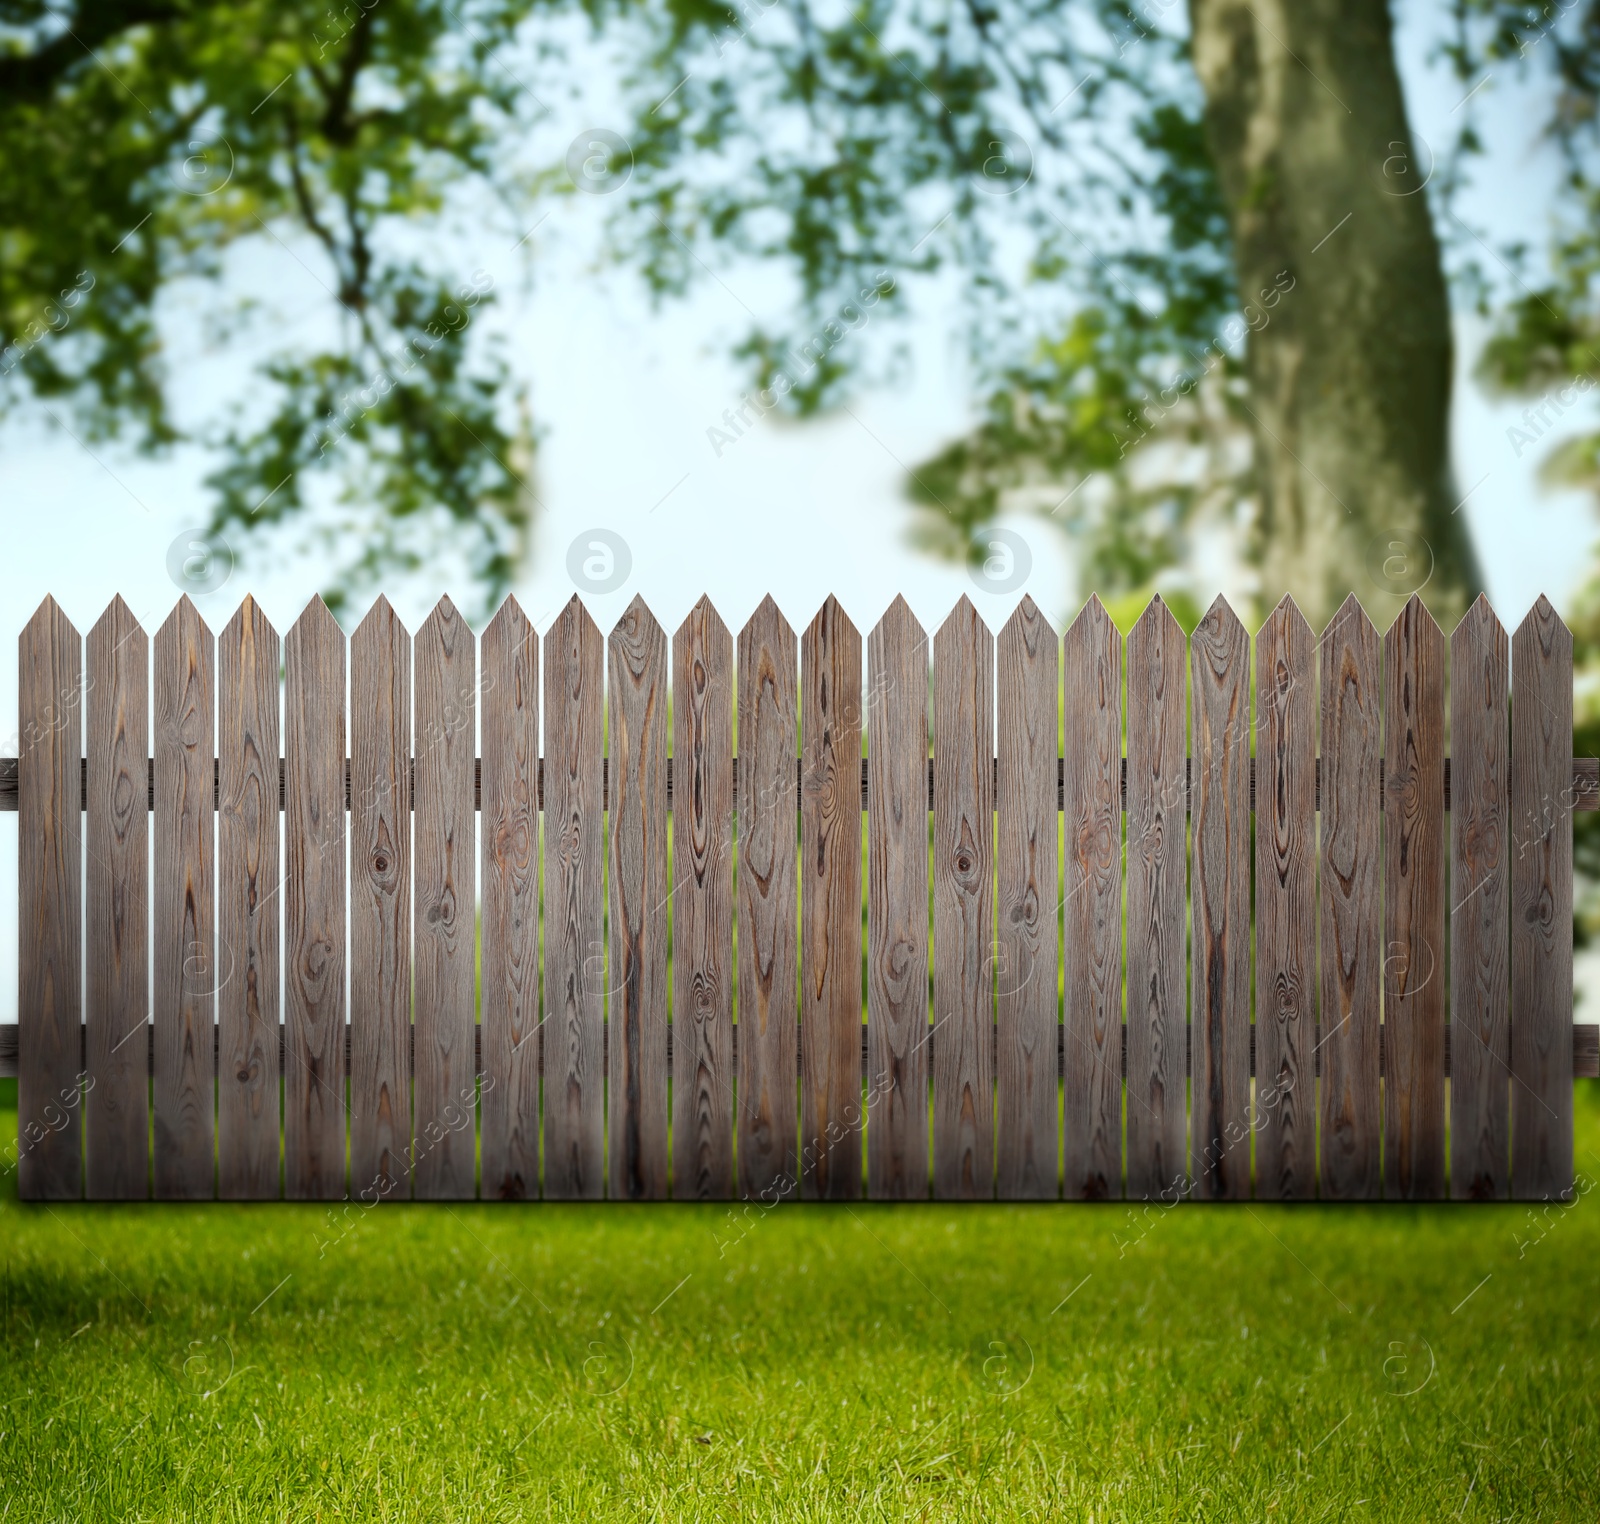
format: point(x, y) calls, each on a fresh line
point(140, 140)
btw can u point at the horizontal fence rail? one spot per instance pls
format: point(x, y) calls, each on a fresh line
point(262, 878)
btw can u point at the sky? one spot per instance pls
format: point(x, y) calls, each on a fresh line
point(626, 396)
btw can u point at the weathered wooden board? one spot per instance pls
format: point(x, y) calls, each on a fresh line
point(574, 1137)
point(249, 905)
point(963, 907)
point(1027, 1016)
point(446, 830)
point(702, 907)
point(1413, 906)
point(1541, 907)
point(509, 684)
point(897, 907)
point(1219, 1140)
point(117, 909)
point(50, 1084)
point(1158, 1028)
point(184, 920)
point(636, 985)
point(314, 907)
point(1350, 967)
point(380, 907)
point(831, 1117)
point(1286, 907)
point(1091, 667)
point(1480, 976)
point(768, 1164)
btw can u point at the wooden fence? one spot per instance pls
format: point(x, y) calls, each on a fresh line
point(1098, 827)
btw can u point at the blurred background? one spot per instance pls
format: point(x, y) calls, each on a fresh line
point(624, 297)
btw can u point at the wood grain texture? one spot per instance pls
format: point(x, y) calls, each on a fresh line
point(831, 1117)
point(116, 826)
point(314, 907)
point(1158, 1028)
point(1349, 970)
point(1413, 906)
point(768, 1166)
point(636, 985)
point(1027, 1017)
point(1286, 906)
point(248, 908)
point(509, 689)
point(446, 843)
point(897, 907)
point(574, 1136)
point(1480, 976)
point(1541, 907)
point(1219, 1140)
point(380, 907)
point(702, 908)
point(963, 907)
point(184, 911)
point(50, 1084)
point(1091, 670)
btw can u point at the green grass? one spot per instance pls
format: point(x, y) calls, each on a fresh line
point(488, 1363)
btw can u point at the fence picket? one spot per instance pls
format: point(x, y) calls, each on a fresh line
point(1413, 906)
point(184, 919)
point(50, 1125)
point(1158, 1027)
point(380, 907)
point(1027, 1015)
point(830, 904)
point(509, 684)
point(1480, 980)
point(897, 907)
point(1541, 917)
point(702, 907)
point(1091, 662)
point(768, 1166)
point(444, 1065)
point(314, 907)
point(574, 1139)
point(248, 907)
point(636, 983)
point(963, 907)
point(1219, 654)
point(1349, 971)
point(116, 909)
point(1286, 926)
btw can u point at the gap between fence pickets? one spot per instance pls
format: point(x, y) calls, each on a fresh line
point(1585, 783)
point(1585, 1049)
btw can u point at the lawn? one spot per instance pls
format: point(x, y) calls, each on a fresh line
point(1079, 1363)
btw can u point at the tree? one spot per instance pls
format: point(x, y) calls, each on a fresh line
point(141, 139)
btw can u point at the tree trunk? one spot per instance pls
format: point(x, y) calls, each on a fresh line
point(1350, 367)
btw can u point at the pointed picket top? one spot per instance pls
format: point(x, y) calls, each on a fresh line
point(571, 626)
point(1287, 618)
point(444, 622)
point(118, 621)
point(831, 616)
point(184, 617)
point(703, 622)
point(898, 621)
point(249, 618)
point(1351, 624)
point(1092, 621)
point(509, 619)
point(1220, 621)
point(1027, 621)
point(963, 619)
point(1479, 631)
point(767, 626)
point(49, 618)
point(380, 622)
point(1544, 624)
point(316, 621)
point(1156, 621)
point(1416, 615)
point(638, 627)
